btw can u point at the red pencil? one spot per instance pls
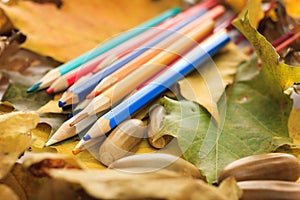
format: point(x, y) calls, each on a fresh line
point(70, 78)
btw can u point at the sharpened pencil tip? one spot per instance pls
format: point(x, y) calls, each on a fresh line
point(50, 142)
point(61, 104)
point(86, 137)
point(50, 90)
point(35, 87)
point(90, 96)
point(78, 119)
point(76, 151)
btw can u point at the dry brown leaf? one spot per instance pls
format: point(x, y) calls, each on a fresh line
point(6, 107)
point(7, 193)
point(206, 85)
point(14, 137)
point(39, 164)
point(110, 184)
point(79, 26)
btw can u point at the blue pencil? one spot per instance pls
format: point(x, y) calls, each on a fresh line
point(80, 91)
point(51, 76)
point(181, 68)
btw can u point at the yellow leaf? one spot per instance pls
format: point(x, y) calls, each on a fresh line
point(162, 184)
point(79, 25)
point(293, 125)
point(7, 193)
point(6, 107)
point(206, 85)
point(292, 7)
point(236, 5)
point(14, 137)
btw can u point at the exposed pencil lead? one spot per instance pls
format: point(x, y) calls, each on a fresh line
point(86, 137)
point(61, 104)
point(50, 90)
point(34, 87)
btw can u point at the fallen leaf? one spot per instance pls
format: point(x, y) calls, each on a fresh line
point(17, 95)
point(230, 187)
point(275, 75)
point(293, 125)
point(207, 84)
point(236, 5)
point(59, 36)
point(7, 193)
point(39, 164)
point(253, 125)
point(254, 8)
point(6, 107)
point(52, 106)
point(16, 128)
point(110, 184)
point(292, 7)
point(29, 187)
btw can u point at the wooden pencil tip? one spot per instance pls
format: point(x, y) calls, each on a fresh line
point(92, 95)
point(78, 119)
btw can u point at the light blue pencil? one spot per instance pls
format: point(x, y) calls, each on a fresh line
point(181, 68)
point(80, 91)
point(52, 75)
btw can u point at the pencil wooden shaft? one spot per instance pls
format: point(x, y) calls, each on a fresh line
point(133, 65)
point(146, 71)
point(153, 66)
point(191, 61)
point(121, 50)
point(84, 89)
point(142, 59)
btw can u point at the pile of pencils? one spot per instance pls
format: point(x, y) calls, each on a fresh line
point(142, 63)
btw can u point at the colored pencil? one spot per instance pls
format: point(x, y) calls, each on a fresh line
point(132, 81)
point(114, 94)
point(64, 132)
point(79, 93)
point(139, 61)
point(68, 66)
point(181, 68)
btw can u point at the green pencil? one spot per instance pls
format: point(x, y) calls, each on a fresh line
point(52, 75)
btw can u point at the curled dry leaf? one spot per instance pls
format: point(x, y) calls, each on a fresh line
point(7, 193)
point(14, 137)
point(110, 184)
point(39, 164)
point(6, 107)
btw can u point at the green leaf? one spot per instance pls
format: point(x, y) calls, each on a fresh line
point(276, 76)
point(17, 95)
point(253, 123)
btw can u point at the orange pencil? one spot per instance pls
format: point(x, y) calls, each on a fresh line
point(136, 63)
point(114, 94)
